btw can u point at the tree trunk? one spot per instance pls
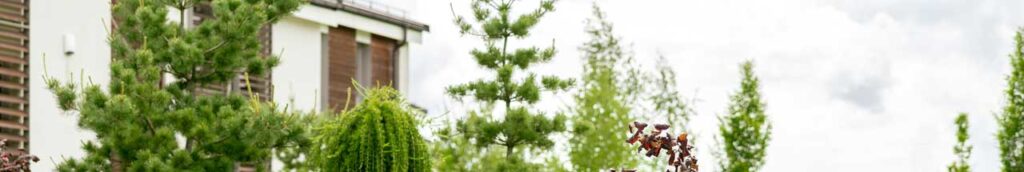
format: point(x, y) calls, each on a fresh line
point(508, 152)
point(115, 162)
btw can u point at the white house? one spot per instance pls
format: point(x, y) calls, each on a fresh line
point(323, 46)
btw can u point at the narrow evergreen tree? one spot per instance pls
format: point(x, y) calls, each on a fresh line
point(745, 131)
point(378, 135)
point(603, 103)
point(962, 149)
point(666, 99)
point(512, 86)
point(1011, 122)
point(138, 119)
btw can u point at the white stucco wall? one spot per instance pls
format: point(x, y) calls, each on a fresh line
point(54, 134)
point(297, 79)
point(403, 70)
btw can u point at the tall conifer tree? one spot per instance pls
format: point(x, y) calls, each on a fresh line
point(603, 106)
point(1011, 122)
point(514, 125)
point(745, 131)
point(139, 120)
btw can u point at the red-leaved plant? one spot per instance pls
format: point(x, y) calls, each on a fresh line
point(15, 161)
point(678, 148)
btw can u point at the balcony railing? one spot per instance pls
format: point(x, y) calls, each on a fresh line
point(377, 7)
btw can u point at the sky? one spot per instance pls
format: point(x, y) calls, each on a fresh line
point(849, 85)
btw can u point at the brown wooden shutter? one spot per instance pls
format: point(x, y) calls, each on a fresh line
point(341, 68)
point(383, 62)
point(343, 65)
point(14, 73)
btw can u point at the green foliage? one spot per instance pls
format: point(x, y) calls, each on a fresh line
point(452, 152)
point(138, 120)
point(378, 135)
point(455, 153)
point(520, 127)
point(666, 99)
point(745, 131)
point(603, 104)
point(1011, 122)
point(962, 150)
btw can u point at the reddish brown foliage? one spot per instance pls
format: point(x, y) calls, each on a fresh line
point(679, 149)
point(15, 162)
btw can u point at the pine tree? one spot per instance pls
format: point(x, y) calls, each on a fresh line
point(962, 149)
point(1011, 122)
point(378, 135)
point(603, 106)
point(138, 119)
point(745, 131)
point(521, 127)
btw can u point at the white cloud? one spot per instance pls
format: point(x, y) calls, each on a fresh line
point(850, 85)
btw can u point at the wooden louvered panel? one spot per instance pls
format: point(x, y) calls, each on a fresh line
point(12, 125)
point(13, 35)
point(260, 86)
point(12, 59)
point(12, 4)
point(211, 90)
point(8, 46)
point(14, 138)
point(13, 112)
point(10, 85)
point(12, 99)
point(13, 72)
point(12, 17)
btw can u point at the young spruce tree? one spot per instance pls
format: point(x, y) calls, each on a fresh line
point(138, 119)
point(962, 149)
point(745, 131)
point(1011, 122)
point(603, 106)
point(513, 87)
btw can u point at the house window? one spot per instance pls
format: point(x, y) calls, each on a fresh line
point(364, 64)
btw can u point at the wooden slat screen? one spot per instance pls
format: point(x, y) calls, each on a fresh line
point(14, 73)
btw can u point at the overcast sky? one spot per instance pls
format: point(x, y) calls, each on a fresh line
point(849, 85)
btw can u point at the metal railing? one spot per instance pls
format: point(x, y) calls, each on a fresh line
point(377, 6)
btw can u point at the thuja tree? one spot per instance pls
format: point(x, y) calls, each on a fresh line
point(745, 131)
point(604, 102)
point(513, 125)
point(138, 119)
point(1011, 122)
point(962, 149)
point(378, 135)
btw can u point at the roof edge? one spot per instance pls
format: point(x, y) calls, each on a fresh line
point(371, 14)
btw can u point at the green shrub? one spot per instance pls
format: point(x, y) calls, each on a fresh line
point(377, 135)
